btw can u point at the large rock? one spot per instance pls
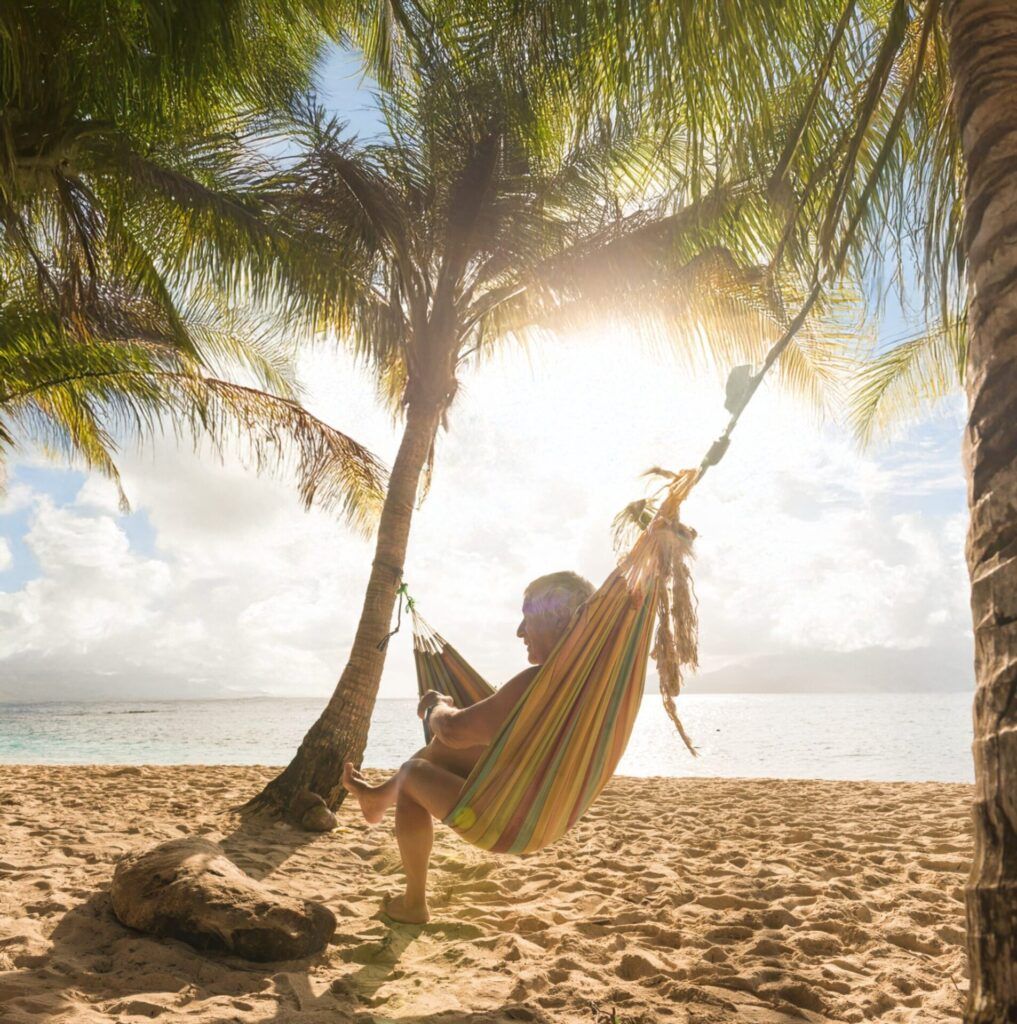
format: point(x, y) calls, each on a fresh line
point(189, 889)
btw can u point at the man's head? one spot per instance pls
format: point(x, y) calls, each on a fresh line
point(548, 605)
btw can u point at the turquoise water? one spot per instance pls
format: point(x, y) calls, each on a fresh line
point(890, 737)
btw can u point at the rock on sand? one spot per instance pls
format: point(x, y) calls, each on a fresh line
point(189, 889)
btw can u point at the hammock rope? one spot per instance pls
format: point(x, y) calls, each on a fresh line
point(404, 594)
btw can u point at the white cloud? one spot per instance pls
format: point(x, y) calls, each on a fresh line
point(810, 554)
point(98, 493)
point(15, 498)
point(92, 588)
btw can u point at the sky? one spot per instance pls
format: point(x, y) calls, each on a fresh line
point(820, 567)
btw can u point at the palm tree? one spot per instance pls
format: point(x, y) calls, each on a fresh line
point(935, 143)
point(129, 231)
point(492, 214)
point(897, 142)
point(981, 35)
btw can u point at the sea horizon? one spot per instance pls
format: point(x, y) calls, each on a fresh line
point(324, 698)
point(860, 736)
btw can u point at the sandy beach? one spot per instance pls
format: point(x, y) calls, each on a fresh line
point(698, 901)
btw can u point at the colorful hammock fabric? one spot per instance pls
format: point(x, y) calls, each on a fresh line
point(565, 737)
point(441, 667)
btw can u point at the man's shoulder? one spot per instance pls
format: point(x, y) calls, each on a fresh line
point(523, 678)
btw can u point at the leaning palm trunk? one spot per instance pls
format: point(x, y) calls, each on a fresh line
point(983, 45)
point(340, 733)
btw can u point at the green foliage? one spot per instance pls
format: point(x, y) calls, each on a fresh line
point(78, 386)
point(131, 227)
point(905, 378)
point(687, 170)
point(840, 107)
point(491, 213)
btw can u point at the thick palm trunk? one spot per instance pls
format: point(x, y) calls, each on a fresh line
point(983, 50)
point(340, 733)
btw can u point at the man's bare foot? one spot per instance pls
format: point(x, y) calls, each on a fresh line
point(373, 803)
point(405, 913)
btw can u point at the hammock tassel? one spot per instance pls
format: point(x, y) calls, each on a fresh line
point(676, 645)
point(662, 557)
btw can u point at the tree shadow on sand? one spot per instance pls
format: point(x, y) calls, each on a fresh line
point(329, 1006)
point(354, 996)
point(93, 958)
point(260, 844)
point(115, 971)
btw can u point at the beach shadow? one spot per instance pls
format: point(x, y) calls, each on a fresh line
point(350, 1002)
point(509, 1013)
point(92, 955)
point(352, 993)
point(378, 961)
point(260, 844)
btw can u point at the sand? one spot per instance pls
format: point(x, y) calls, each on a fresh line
point(678, 900)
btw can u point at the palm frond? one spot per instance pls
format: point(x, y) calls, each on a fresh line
point(83, 394)
point(905, 379)
point(334, 472)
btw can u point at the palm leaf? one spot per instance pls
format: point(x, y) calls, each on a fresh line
point(82, 394)
point(905, 379)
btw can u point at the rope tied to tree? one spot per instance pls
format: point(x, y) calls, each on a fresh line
point(404, 595)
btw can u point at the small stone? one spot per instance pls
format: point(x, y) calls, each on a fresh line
point(303, 802)
point(319, 819)
point(188, 889)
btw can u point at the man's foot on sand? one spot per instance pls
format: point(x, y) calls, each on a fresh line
point(373, 803)
point(399, 910)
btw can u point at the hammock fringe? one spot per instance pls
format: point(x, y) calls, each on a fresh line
point(664, 552)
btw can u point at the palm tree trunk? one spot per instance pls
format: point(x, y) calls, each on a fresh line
point(340, 733)
point(983, 53)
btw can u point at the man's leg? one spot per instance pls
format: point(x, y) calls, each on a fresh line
point(424, 790)
point(415, 835)
point(376, 800)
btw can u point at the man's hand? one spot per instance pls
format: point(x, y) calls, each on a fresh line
point(430, 700)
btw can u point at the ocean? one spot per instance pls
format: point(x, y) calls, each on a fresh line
point(857, 736)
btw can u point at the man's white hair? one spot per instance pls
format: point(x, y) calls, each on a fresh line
point(556, 597)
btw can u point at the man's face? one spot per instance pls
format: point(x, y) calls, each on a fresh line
point(538, 633)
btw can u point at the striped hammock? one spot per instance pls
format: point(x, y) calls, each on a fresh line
point(563, 740)
point(441, 667)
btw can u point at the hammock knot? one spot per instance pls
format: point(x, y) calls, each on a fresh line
point(716, 452)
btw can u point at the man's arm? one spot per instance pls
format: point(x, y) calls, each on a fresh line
point(477, 725)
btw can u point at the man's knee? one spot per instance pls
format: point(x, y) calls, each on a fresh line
point(415, 765)
point(436, 752)
point(411, 772)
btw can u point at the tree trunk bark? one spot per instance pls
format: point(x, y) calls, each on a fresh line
point(340, 733)
point(983, 54)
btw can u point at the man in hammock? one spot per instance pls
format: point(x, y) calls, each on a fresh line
point(429, 784)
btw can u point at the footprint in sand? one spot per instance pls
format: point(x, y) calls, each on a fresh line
point(727, 901)
point(727, 934)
